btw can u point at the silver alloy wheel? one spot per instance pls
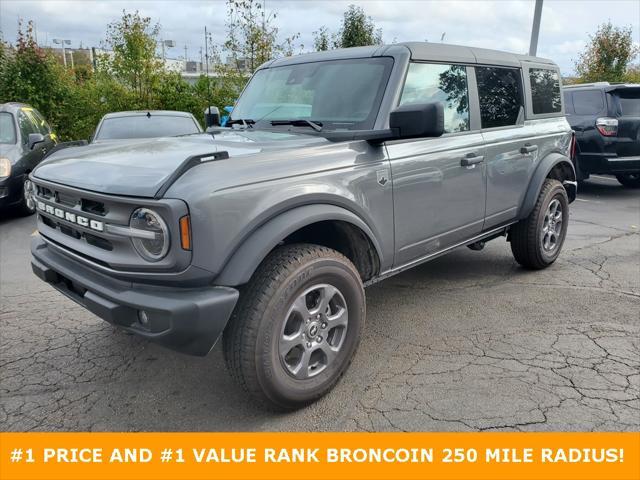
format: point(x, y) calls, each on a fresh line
point(552, 226)
point(314, 331)
point(28, 194)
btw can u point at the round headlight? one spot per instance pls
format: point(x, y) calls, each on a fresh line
point(154, 244)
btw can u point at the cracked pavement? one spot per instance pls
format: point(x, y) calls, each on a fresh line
point(469, 341)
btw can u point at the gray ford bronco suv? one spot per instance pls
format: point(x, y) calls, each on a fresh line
point(336, 170)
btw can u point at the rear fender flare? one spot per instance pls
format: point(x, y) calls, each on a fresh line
point(541, 173)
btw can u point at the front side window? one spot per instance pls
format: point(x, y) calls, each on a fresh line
point(428, 82)
point(500, 91)
point(7, 128)
point(41, 124)
point(26, 125)
point(545, 91)
point(340, 94)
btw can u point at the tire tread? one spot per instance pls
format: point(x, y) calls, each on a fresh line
point(241, 335)
point(523, 235)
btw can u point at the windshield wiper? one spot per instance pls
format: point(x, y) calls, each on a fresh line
point(246, 122)
point(300, 122)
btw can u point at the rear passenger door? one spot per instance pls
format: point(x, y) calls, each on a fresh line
point(510, 154)
point(438, 202)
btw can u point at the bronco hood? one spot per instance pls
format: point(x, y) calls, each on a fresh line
point(141, 168)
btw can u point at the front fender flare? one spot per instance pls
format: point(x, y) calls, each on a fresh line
point(246, 258)
point(541, 173)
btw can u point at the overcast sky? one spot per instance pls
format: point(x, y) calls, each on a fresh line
point(499, 24)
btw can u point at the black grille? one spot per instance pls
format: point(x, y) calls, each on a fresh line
point(91, 206)
point(102, 243)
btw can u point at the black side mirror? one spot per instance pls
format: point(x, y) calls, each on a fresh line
point(34, 139)
point(416, 120)
point(211, 117)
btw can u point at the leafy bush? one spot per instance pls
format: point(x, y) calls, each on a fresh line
point(131, 78)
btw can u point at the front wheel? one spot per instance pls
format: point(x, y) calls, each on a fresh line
point(536, 241)
point(27, 205)
point(296, 327)
point(629, 180)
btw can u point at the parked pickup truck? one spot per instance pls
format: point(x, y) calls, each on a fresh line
point(338, 169)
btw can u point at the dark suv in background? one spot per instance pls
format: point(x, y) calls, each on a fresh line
point(606, 119)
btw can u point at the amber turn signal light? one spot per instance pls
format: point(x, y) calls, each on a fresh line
point(185, 233)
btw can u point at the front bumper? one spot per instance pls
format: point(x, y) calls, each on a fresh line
point(189, 320)
point(11, 191)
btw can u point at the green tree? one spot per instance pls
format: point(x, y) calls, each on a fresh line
point(607, 55)
point(358, 29)
point(133, 61)
point(252, 35)
point(32, 75)
point(321, 39)
point(633, 74)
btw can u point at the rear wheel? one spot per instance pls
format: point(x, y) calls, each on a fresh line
point(537, 240)
point(296, 327)
point(630, 180)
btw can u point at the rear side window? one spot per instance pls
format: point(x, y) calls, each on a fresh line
point(568, 102)
point(588, 102)
point(500, 91)
point(545, 91)
point(629, 103)
point(427, 82)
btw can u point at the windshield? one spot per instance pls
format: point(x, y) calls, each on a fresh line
point(143, 126)
point(339, 94)
point(629, 100)
point(7, 128)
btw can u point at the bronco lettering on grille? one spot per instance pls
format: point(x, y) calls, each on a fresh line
point(71, 217)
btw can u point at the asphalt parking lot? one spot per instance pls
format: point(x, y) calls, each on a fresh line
point(467, 342)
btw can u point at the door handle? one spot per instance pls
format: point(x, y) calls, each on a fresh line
point(471, 159)
point(528, 148)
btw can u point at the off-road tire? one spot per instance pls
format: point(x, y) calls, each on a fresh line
point(525, 236)
point(629, 180)
point(250, 341)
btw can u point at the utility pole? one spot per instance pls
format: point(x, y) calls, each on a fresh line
point(62, 42)
point(206, 59)
point(535, 29)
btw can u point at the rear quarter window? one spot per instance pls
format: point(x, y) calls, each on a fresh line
point(588, 102)
point(545, 91)
point(629, 103)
